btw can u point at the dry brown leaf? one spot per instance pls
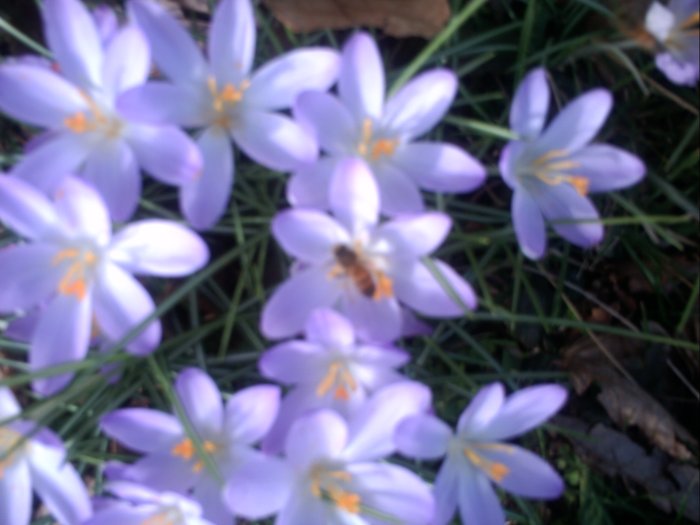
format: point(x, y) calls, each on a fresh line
point(626, 403)
point(396, 17)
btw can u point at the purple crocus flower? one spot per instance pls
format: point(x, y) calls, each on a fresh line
point(329, 369)
point(171, 461)
point(337, 473)
point(675, 28)
point(476, 457)
point(85, 131)
point(226, 98)
point(79, 275)
point(552, 171)
point(138, 505)
point(361, 124)
point(31, 459)
point(363, 267)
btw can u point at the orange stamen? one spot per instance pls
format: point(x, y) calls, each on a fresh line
point(77, 123)
point(384, 287)
point(74, 281)
point(162, 518)
point(494, 470)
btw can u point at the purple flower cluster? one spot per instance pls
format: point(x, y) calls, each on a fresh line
point(362, 243)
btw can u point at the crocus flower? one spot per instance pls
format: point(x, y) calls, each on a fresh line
point(329, 369)
point(138, 505)
point(476, 456)
point(675, 28)
point(171, 461)
point(36, 459)
point(361, 124)
point(79, 275)
point(85, 131)
point(362, 267)
point(552, 171)
point(338, 476)
point(225, 98)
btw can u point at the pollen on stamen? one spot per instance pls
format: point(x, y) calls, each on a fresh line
point(550, 155)
point(493, 469)
point(348, 501)
point(384, 287)
point(383, 148)
point(77, 123)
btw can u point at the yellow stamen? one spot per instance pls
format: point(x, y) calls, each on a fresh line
point(185, 449)
point(376, 149)
point(76, 123)
point(383, 147)
point(339, 376)
point(162, 518)
point(580, 184)
point(348, 501)
point(550, 155)
point(383, 288)
point(74, 281)
point(494, 470)
point(230, 94)
point(326, 483)
point(548, 168)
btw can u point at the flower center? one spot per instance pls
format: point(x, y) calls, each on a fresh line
point(78, 274)
point(686, 28)
point(9, 449)
point(169, 516)
point(493, 469)
point(185, 449)
point(368, 280)
point(331, 484)
point(374, 149)
point(225, 98)
point(339, 379)
point(94, 120)
point(551, 168)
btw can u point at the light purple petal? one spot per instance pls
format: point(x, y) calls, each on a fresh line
point(74, 40)
point(418, 288)
point(508, 163)
point(445, 491)
point(250, 413)
point(417, 235)
point(161, 471)
point(166, 152)
point(286, 311)
point(231, 44)
point(331, 123)
point(317, 436)
point(422, 437)
point(160, 102)
point(418, 106)
point(201, 399)
point(259, 488)
point(58, 484)
point(25, 210)
point(528, 111)
point(483, 408)
point(66, 322)
point(16, 495)
point(478, 502)
point(398, 192)
point(308, 235)
point(373, 320)
point(106, 22)
point(82, 211)
point(173, 49)
point(9, 407)
point(273, 140)
point(142, 429)
point(681, 72)
point(437, 166)
point(529, 225)
point(353, 194)
point(208, 493)
point(28, 276)
point(373, 428)
point(607, 168)
point(113, 170)
point(293, 361)
point(361, 80)
point(303, 507)
point(203, 201)
point(577, 124)
point(121, 303)
point(159, 247)
point(37, 95)
point(277, 84)
point(127, 61)
point(381, 356)
point(121, 514)
point(525, 410)
point(297, 402)
point(330, 329)
point(308, 186)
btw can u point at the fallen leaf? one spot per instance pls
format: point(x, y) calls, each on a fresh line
point(399, 18)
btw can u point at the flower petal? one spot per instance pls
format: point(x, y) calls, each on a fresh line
point(529, 225)
point(445, 491)
point(106, 22)
point(308, 235)
point(142, 429)
point(121, 303)
point(416, 235)
point(608, 168)
point(330, 329)
point(437, 166)
point(524, 410)
point(293, 361)
point(308, 186)
point(361, 80)
point(9, 407)
point(417, 287)
point(317, 436)
point(16, 495)
point(28, 276)
point(250, 413)
point(159, 102)
point(577, 124)
point(273, 140)
point(25, 210)
point(398, 192)
point(422, 437)
point(208, 493)
point(480, 412)
point(160, 471)
point(37, 95)
point(528, 111)
point(373, 320)
point(277, 84)
point(296, 403)
point(231, 46)
point(478, 502)
point(354, 195)
point(419, 105)
point(159, 247)
point(203, 201)
point(166, 152)
point(332, 125)
point(173, 49)
point(508, 162)
point(127, 61)
point(66, 321)
point(74, 40)
point(82, 211)
point(201, 399)
point(286, 311)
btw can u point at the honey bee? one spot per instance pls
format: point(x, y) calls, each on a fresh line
point(349, 261)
